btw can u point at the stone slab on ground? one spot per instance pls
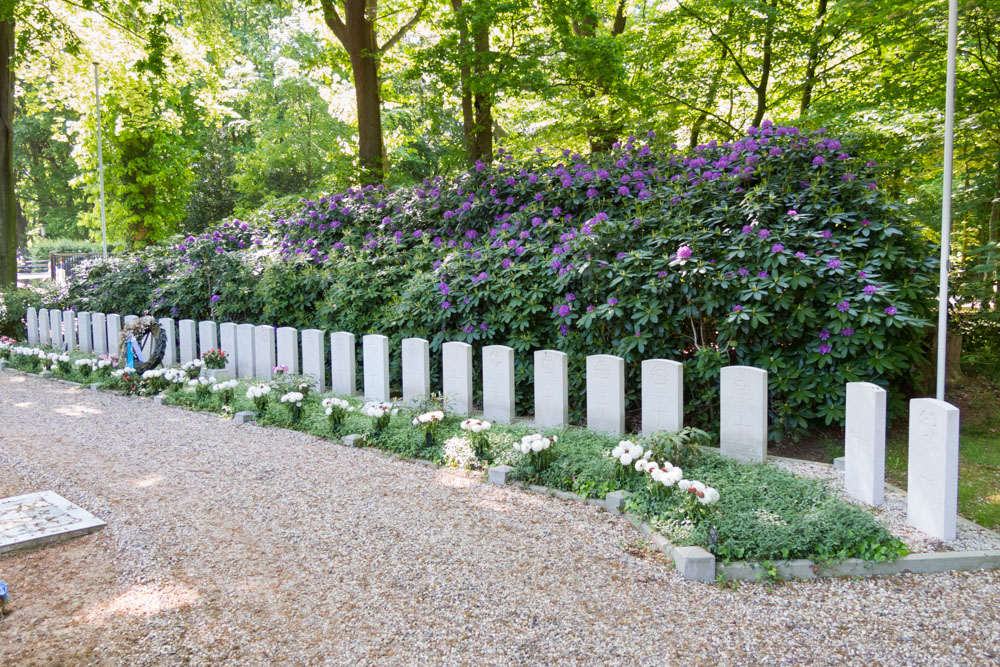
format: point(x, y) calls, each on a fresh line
point(34, 520)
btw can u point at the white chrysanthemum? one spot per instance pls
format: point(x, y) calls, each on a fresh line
point(710, 496)
point(293, 397)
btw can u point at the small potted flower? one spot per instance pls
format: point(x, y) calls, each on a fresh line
point(215, 365)
point(154, 380)
point(193, 368)
point(85, 366)
point(538, 448)
point(294, 401)
point(225, 390)
point(336, 410)
point(477, 429)
point(202, 386)
point(64, 364)
point(698, 499)
point(429, 423)
point(380, 413)
point(258, 393)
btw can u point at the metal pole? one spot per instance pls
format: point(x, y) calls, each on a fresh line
point(100, 163)
point(949, 137)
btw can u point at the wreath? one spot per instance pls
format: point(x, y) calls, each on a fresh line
point(145, 333)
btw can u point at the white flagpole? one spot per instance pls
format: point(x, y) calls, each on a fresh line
point(100, 162)
point(949, 138)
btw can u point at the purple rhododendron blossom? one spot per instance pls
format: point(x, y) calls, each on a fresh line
point(891, 310)
point(870, 289)
point(763, 234)
point(446, 305)
point(737, 308)
point(777, 247)
point(684, 252)
point(844, 306)
point(612, 301)
point(824, 349)
point(833, 264)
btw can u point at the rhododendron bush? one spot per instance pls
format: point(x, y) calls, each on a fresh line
point(779, 251)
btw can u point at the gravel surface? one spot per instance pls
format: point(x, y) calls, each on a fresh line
point(239, 544)
point(969, 536)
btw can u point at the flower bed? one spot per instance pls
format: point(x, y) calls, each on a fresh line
point(738, 511)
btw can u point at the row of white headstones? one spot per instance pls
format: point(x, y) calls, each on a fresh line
point(253, 351)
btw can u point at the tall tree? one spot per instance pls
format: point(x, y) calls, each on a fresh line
point(8, 205)
point(356, 32)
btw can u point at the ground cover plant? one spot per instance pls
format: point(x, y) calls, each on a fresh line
point(779, 251)
point(739, 511)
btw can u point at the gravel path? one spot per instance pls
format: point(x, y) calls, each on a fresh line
point(238, 544)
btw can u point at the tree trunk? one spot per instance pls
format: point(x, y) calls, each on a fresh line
point(994, 227)
point(483, 100)
point(465, 76)
point(364, 66)
point(765, 68)
point(8, 206)
point(813, 58)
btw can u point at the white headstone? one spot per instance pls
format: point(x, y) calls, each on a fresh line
point(416, 370)
point(498, 384)
point(551, 388)
point(456, 377)
point(43, 326)
point(55, 328)
point(99, 325)
point(932, 471)
point(227, 343)
point(114, 333)
point(86, 333)
point(188, 334)
point(606, 393)
point(864, 442)
point(69, 330)
point(288, 349)
point(169, 330)
point(342, 363)
point(31, 317)
point(246, 365)
point(130, 319)
point(375, 360)
point(208, 337)
point(743, 413)
point(264, 350)
point(662, 396)
point(313, 357)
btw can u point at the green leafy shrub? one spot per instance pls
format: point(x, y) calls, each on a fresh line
point(778, 251)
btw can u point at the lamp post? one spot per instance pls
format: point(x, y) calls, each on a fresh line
point(949, 140)
point(100, 163)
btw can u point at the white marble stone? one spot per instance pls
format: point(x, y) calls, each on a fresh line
point(31, 318)
point(85, 332)
point(606, 393)
point(498, 384)
point(99, 325)
point(43, 327)
point(864, 442)
point(456, 377)
point(208, 337)
point(188, 337)
point(343, 363)
point(55, 328)
point(313, 357)
point(265, 351)
point(416, 357)
point(743, 413)
point(114, 332)
point(169, 330)
point(288, 349)
point(932, 471)
point(662, 396)
point(69, 330)
point(246, 366)
point(375, 360)
point(551, 388)
point(130, 319)
point(33, 520)
point(227, 343)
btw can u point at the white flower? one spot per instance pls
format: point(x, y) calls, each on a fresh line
point(228, 385)
point(476, 425)
point(710, 496)
point(534, 443)
point(459, 453)
point(293, 397)
point(194, 363)
point(377, 410)
point(258, 391)
point(684, 484)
